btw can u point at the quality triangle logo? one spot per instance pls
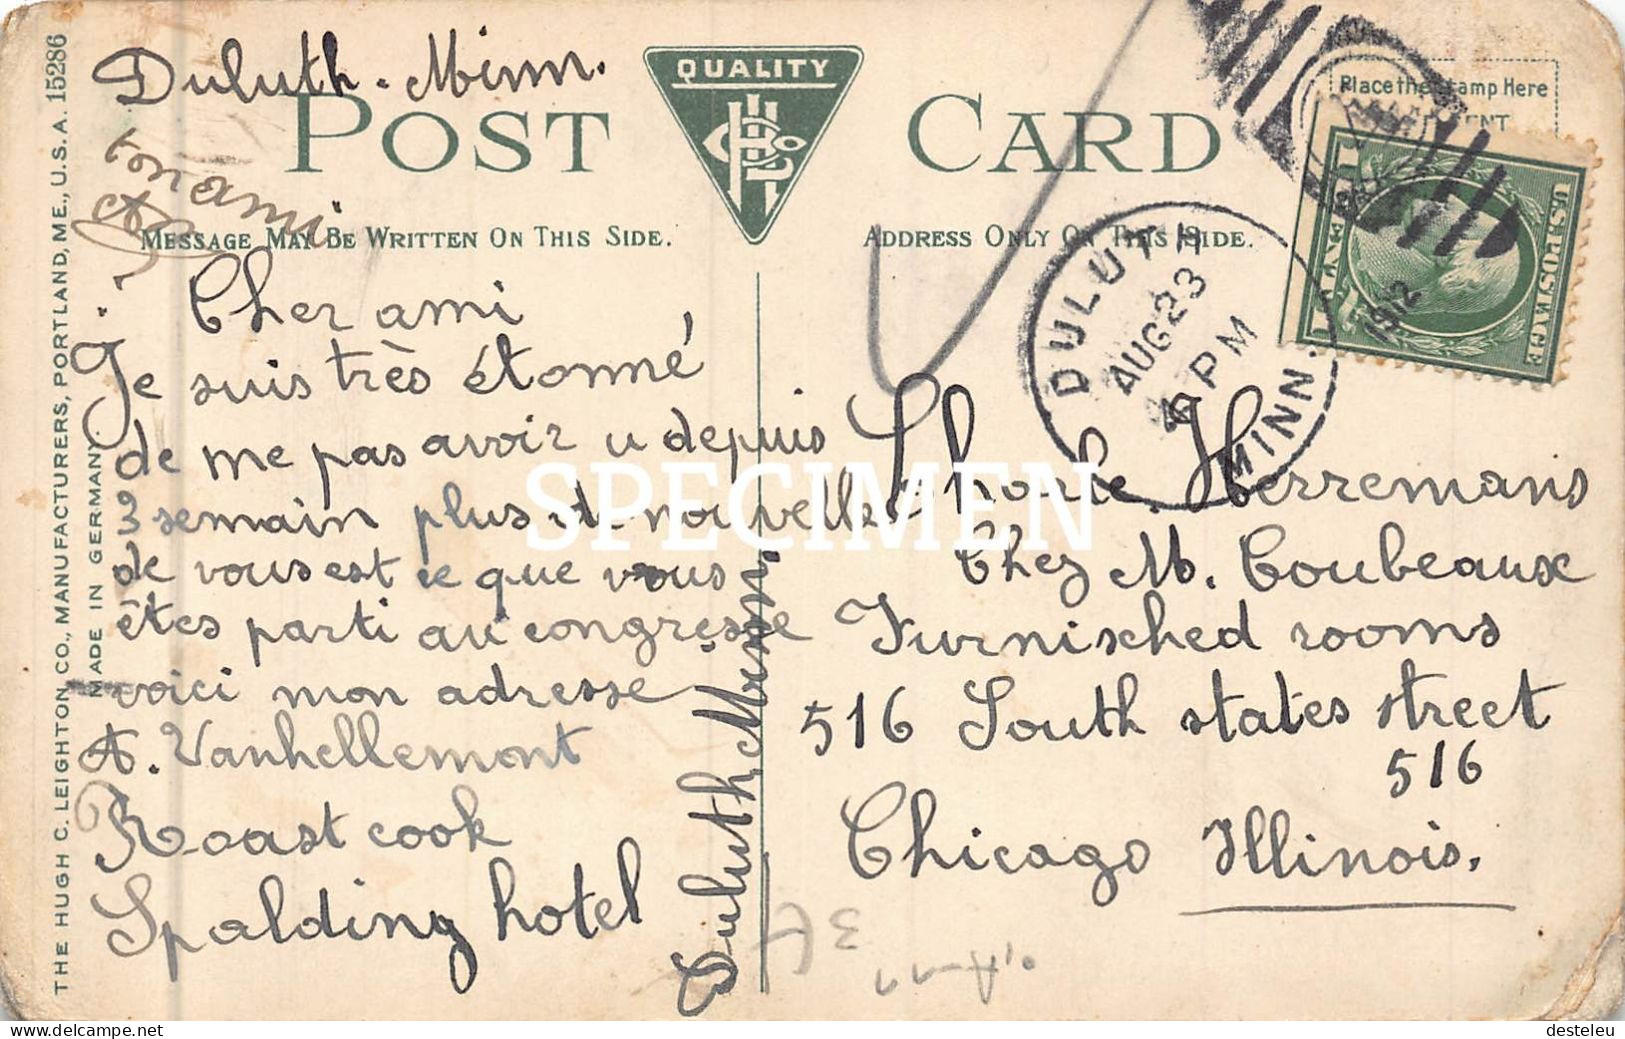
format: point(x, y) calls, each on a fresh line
point(753, 116)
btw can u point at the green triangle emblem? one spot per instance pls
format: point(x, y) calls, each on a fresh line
point(753, 116)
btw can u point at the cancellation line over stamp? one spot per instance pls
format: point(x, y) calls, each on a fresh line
point(1454, 248)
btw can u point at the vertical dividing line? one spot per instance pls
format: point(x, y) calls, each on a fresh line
point(179, 992)
point(761, 803)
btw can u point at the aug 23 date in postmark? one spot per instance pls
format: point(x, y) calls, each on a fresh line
point(1455, 253)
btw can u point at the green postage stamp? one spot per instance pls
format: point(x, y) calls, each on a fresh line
point(1456, 256)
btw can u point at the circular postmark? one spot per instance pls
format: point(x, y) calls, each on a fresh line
point(1151, 350)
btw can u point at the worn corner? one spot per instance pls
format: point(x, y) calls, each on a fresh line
point(16, 18)
point(19, 20)
point(17, 998)
point(1596, 986)
point(1598, 26)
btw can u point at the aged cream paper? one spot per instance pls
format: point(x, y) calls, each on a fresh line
point(1115, 510)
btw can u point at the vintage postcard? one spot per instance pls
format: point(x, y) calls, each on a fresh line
point(741, 510)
